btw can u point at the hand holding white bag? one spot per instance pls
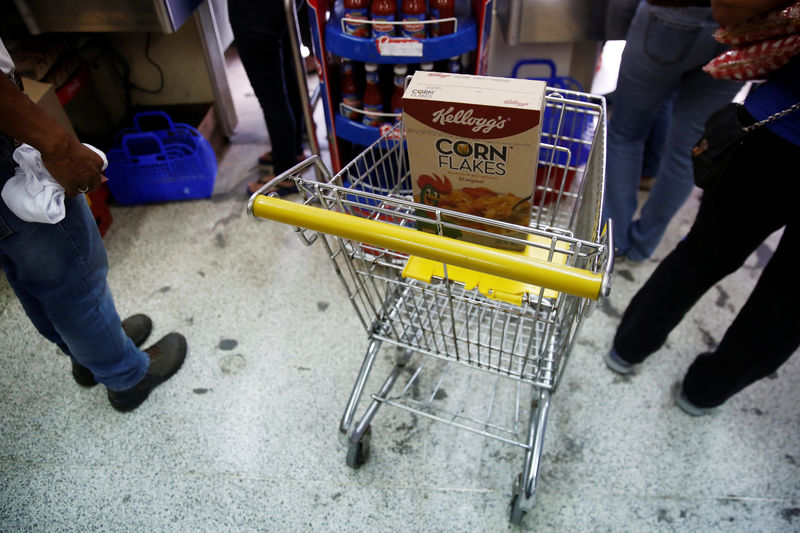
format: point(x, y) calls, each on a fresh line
point(32, 193)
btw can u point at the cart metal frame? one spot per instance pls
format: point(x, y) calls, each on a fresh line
point(444, 329)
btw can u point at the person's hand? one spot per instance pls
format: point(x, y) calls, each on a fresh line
point(732, 12)
point(77, 168)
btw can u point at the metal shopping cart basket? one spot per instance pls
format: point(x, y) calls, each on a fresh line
point(460, 309)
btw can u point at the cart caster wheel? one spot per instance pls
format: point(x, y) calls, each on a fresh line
point(402, 357)
point(355, 455)
point(358, 453)
point(517, 512)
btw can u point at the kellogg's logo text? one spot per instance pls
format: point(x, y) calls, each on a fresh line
point(464, 117)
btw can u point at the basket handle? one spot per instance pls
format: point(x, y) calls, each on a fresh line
point(434, 247)
point(559, 82)
point(143, 145)
point(144, 115)
point(546, 62)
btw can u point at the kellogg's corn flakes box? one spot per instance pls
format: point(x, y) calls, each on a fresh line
point(473, 145)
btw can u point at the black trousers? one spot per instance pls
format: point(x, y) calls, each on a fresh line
point(260, 32)
point(758, 196)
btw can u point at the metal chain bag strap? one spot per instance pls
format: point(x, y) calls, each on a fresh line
point(724, 133)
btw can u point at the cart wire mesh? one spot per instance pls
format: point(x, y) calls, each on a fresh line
point(445, 318)
point(450, 324)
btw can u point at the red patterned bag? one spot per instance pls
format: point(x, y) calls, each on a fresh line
point(756, 61)
point(780, 22)
point(761, 45)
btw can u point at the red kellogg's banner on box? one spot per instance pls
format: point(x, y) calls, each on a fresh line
point(473, 144)
point(474, 120)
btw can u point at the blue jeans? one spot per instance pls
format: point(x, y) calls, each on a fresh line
point(58, 272)
point(665, 52)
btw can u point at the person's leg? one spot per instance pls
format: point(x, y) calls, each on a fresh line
point(654, 145)
point(258, 29)
point(653, 63)
point(763, 336)
point(293, 93)
point(33, 309)
point(731, 223)
point(304, 24)
point(59, 272)
point(31, 306)
point(699, 96)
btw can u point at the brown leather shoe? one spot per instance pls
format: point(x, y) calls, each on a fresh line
point(136, 327)
point(166, 357)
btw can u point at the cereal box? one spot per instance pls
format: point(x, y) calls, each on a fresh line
point(473, 144)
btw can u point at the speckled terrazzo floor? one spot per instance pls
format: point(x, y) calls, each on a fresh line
point(244, 437)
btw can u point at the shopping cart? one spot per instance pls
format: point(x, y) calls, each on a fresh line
point(456, 310)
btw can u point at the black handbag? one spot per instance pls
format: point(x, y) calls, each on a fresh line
point(725, 131)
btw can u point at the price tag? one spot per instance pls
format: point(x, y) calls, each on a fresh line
point(398, 46)
point(390, 131)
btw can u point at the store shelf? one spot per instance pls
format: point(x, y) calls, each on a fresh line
point(355, 132)
point(470, 41)
point(463, 40)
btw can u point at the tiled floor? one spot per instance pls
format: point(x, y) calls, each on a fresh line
point(244, 437)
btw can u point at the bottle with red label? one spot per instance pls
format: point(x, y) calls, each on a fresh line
point(413, 11)
point(441, 9)
point(383, 14)
point(396, 105)
point(373, 101)
point(351, 96)
point(359, 10)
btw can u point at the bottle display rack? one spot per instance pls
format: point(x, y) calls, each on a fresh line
point(348, 129)
point(390, 50)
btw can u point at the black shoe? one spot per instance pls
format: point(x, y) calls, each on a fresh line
point(82, 375)
point(166, 357)
point(136, 327)
point(688, 406)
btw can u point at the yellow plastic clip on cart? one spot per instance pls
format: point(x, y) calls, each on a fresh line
point(480, 320)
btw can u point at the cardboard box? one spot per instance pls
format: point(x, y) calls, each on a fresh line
point(44, 95)
point(473, 145)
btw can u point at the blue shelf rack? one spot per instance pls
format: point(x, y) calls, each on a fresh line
point(463, 40)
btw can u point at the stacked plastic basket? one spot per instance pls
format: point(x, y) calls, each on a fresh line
point(158, 161)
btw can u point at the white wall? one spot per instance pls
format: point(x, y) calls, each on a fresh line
point(572, 59)
point(180, 56)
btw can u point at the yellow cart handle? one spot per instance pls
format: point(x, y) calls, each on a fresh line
point(434, 247)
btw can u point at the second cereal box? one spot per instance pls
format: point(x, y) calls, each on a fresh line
point(473, 144)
